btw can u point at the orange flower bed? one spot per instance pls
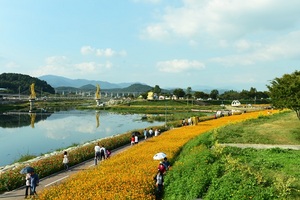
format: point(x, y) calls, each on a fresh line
point(129, 175)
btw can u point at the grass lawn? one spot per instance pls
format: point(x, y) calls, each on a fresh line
point(209, 171)
point(281, 128)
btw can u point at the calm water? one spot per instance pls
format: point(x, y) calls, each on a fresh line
point(22, 134)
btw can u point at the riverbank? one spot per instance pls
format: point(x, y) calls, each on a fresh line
point(137, 163)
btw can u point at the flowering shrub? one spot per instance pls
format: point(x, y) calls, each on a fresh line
point(129, 175)
point(12, 179)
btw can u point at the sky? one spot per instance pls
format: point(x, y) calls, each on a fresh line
point(221, 44)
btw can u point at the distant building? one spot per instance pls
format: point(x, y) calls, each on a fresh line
point(235, 103)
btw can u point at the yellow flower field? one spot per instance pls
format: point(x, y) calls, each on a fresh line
point(129, 175)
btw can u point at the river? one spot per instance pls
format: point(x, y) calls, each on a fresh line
point(36, 134)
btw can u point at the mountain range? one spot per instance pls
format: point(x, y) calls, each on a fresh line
point(63, 82)
point(59, 81)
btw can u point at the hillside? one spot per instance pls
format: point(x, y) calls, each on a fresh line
point(137, 87)
point(20, 83)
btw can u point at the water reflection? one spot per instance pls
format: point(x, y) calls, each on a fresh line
point(32, 116)
point(38, 133)
point(97, 119)
point(21, 119)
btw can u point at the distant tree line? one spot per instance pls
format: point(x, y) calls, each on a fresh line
point(251, 94)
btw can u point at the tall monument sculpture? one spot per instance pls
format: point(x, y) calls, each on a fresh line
point(150, 96)
point(32, 97)
point(98, 95)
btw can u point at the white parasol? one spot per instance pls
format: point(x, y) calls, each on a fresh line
point(159, 156)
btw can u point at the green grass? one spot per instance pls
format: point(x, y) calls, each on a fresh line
point(24, 158)
point(282, 128)
point(201, 171)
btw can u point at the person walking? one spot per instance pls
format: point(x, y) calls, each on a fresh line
point(150, 132)
point(97, 153)
point(156, 132)
point(166, 163)
point(159, 182)
point(66, 160)
point(103, 154)
point(136, 139)
point(145, 133)
point(132, 140)
point(27, 188)
point(34, 182)
point(161, 167)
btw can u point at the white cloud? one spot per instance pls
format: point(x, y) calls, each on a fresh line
point(176, 66)
point(286, 47)
point(60, 65)
point(108, 52)
point(54, 65)
point(87, 67)
point(108, 65)
point(56, 60)
point(86, 50)
point(92, 67)
point(156, 32)
point(105, 52)
point(224, 19)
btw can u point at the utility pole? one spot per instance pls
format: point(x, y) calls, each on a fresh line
point(165, 113)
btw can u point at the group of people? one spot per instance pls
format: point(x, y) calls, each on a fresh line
point(151, 133)
point(32, 181)
point(134, 138)
point(163, 167)
point(187, 122)
point(101, 153)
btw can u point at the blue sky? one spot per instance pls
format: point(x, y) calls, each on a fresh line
point(230, 44)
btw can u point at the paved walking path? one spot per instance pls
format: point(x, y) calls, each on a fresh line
point(57, 177)
point(263, 146)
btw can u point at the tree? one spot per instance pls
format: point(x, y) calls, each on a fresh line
point(230, 95)
point(214, 94)
point(252, 93)
point(188, 92)
point(157, 89)
point(179, 92)
point(19, 83)
point(244, 94)
point(285, 92)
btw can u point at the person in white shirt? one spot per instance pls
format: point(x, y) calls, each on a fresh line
point(28, 176)
point(66, 160)
point(151, 132)
point(156, 132)
point(97, 152)
point(136, 139)
point(190, 121)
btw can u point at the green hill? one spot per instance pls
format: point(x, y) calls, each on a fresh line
point(20, 83)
